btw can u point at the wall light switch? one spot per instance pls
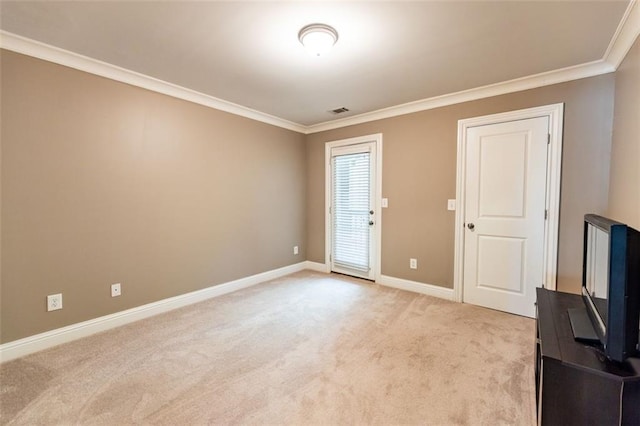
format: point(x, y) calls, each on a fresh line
point(385, 203)
point(451, 204)
point(295, 249)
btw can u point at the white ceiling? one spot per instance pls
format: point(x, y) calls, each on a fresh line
point(389, 53)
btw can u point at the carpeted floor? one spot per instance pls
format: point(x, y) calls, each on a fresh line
point(305, 349)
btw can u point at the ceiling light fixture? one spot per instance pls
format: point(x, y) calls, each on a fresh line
point(318, 39)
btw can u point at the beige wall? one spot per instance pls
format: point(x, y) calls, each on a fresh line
point(419, 175)
point(624, 192)
point(103, 182)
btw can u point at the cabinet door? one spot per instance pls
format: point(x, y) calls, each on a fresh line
point(572, 396)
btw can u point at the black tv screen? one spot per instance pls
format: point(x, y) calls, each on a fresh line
point(611, 284)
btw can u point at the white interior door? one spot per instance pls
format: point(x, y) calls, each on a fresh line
point(352, 209)
point(505, 198)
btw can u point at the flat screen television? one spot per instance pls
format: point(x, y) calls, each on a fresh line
point(610, 288)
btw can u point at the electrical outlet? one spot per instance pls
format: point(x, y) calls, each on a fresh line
point(295, 249)
point(115, 290)
point(413, 263)
point(54, 302)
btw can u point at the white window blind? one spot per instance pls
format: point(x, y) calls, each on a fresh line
point(350, 205)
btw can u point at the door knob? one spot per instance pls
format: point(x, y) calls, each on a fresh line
point(370, 222)
point(370, 211)
point(471, 226)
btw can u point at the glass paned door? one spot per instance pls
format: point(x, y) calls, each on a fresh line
point(352, 210)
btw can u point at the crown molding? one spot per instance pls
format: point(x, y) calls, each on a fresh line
point(26, 46)
point(589, 69)
point(626, 34)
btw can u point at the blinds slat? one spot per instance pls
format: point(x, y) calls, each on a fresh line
point(351, 211)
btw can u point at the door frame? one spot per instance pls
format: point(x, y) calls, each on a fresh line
point(377, 201)
point(555, 114)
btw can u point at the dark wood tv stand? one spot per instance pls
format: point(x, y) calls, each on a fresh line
point(575, 383)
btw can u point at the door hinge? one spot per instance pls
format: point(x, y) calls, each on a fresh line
point(548, 138)
point(546, 214)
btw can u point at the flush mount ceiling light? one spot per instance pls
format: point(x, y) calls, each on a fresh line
point(318, 39)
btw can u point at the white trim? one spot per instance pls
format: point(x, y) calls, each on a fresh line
point(417, 287)
point(38, 342)
point(589, 69)
point(400, 283)
point(377, 139)
point(621, 42)
point(56, 55)
point(627, 32)
point(315, 266)
point(555, 113)
point(378, 207)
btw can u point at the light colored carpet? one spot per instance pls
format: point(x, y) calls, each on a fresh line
point(305, 349)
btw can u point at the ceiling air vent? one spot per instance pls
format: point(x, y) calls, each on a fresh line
point(339, 110)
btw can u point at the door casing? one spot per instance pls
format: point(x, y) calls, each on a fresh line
point(377, 250)
point(555, 114)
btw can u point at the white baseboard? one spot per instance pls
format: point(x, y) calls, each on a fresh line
point(402, 284)
point(48, 339)
point(315, 266)
point(38, 342)
point(417, 287)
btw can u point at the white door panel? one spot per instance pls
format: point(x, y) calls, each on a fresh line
point(505, 190)
point(500, 263)
point(497, 196)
